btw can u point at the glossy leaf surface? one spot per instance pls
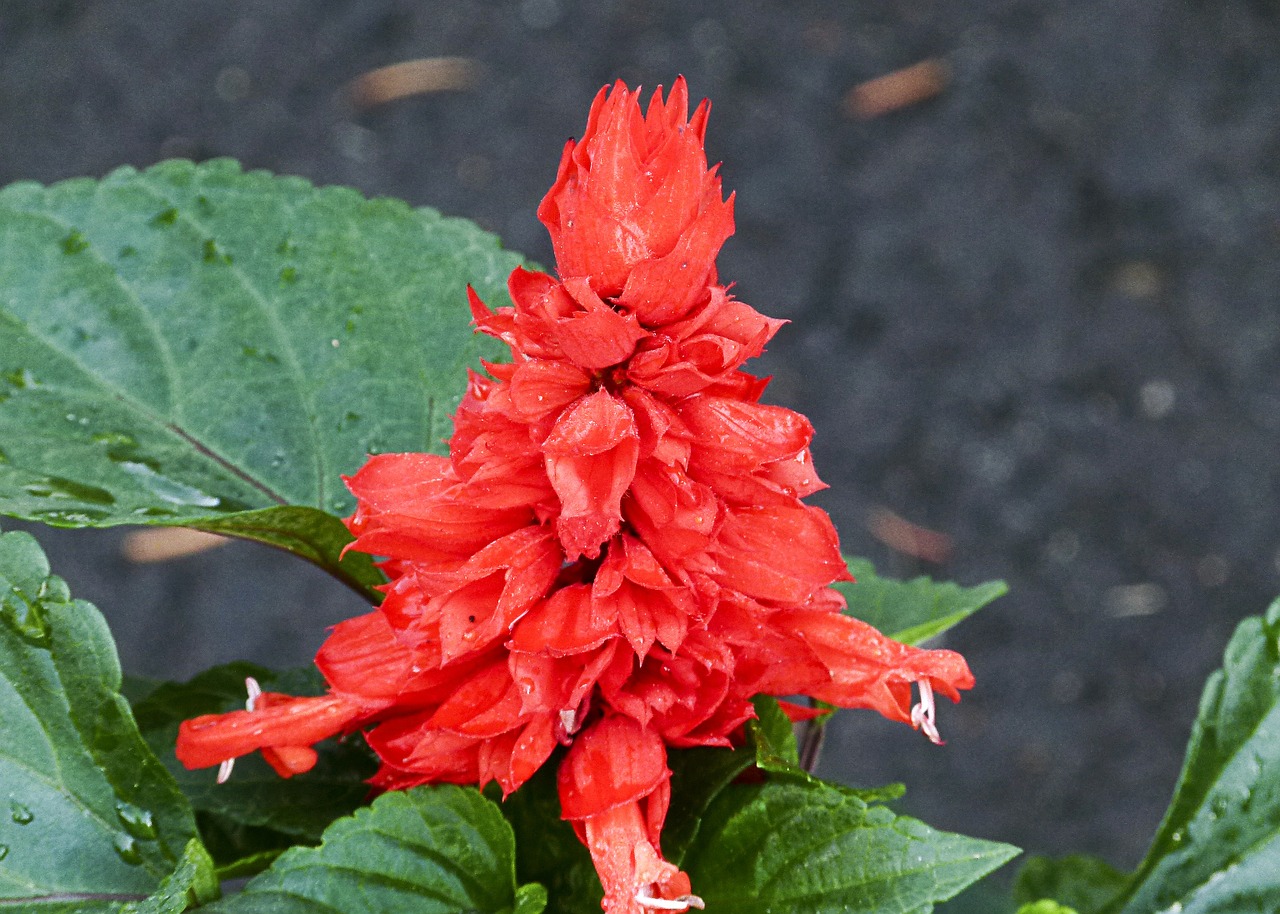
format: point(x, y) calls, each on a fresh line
point(198, 345)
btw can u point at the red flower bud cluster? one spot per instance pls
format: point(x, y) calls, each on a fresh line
point(615, 557)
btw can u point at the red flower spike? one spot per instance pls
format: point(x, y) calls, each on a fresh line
point(615, 556)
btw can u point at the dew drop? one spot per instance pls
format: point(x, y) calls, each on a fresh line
point(26, 618)
point(55, 590)
point(20, 813)
point(127, 849)
point(214, 254)
point(137, 821)
point(21, 379)
point(74, 243)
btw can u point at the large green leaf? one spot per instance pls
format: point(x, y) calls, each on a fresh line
point(256, 813)
point(91, 818)
point(916, 610)
point(814, 847)
point(198, 345)
point(1218, 848)
point(431, 849)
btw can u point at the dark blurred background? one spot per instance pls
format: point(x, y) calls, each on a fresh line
point(1033, 304)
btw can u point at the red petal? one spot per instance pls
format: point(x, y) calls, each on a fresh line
point(629, 862)
point(567, 623)
point(591, 460)
point(213, 738)
point(612, 762)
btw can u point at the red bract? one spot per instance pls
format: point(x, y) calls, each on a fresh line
point(615, 556)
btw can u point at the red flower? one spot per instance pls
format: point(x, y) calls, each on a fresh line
point(615, 556)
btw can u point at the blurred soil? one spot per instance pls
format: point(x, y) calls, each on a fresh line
point(1035, 312)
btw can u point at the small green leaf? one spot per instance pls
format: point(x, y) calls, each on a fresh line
point(90, 818)
point(1084, 883)
point(815, 848)
point(916, 610)
point(1046, 907)
point(256, 814)
point(774, 738)
point(431, 849)
point(531, 898)
point(201, 346)
point(1218, 848)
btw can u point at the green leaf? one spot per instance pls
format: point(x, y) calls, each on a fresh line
point(91, 819)
point(916, 610)
point(1218, 848)
point(1046, 907)
point(698, 775)
point(202, 346)
point(192, 883)
point(819, 848)
point(547, 850)
point(774, 738)
point(697, 778)
point(430, 849)
point(256, 814)
point(1083, 883)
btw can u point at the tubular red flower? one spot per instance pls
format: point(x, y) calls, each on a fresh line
point(616, 555)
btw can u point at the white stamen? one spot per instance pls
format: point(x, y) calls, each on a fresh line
point(683, 903)
point(255, 691)
point(224, 770)
point(922, 713)
point(569, 720)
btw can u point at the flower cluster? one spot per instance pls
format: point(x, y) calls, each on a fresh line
point(615, 557)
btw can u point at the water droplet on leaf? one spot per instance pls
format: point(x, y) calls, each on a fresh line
point(127, 849)
point(136, 820)
point(22, 378)
point(74, 243)
point(213, 253)
point(54, 590)
point(20, 813)
point(25, 617)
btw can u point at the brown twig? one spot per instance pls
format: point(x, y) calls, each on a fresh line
point(413, 77)
point(901, 535)
point(164, 544)
point(899, 89)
